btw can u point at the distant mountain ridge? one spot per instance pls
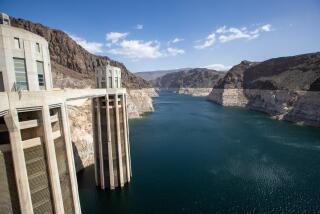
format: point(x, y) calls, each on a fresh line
point(191, 78)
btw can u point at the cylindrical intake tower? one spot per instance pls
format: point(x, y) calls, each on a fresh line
point(110, 125)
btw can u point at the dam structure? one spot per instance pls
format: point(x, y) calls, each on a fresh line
point(37, 168)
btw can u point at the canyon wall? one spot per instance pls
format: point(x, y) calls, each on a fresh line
point(302, 107)
point(287, 88)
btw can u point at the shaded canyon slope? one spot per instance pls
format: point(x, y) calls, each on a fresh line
point(287, 88)
point(74, 67)
point(196, 81)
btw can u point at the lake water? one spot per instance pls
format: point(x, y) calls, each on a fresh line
point(193, 156)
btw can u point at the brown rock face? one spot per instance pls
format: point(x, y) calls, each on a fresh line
point(72, 59)
point(234, 77)
point(287, 88)
point(301, 72)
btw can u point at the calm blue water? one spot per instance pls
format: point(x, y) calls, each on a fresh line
point(193, 156)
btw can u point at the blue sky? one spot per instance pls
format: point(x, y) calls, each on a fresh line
point(166, 34)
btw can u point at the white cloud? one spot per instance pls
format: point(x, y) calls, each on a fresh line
point(137, 49)
point(175, 51)
point(229, 34)
point(266, 28)
point(209, 41)
point(176, 40)
point(225, 34)
point(115, 37)
point(92, 47)
point(221, 29)
point(219, 67)
point(232, 34)
point(138, 27)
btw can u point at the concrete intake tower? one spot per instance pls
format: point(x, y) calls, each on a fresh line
point(112, 151)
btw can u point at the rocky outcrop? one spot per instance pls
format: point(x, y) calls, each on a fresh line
point(228, 97)
point(80, 120)
point(139, 102)
point(286, 88)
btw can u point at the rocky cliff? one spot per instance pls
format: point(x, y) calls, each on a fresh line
point(73, 67)
point(286, 88)
point(197, 81)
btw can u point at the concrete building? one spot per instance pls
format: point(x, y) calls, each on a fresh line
point(37, 170)
point(25, 60)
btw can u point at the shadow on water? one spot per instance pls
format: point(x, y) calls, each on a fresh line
point(193, 156)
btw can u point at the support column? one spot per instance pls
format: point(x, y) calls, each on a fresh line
point(70, 158)
point(119, 142)
point(128, 135)
point(124, 116)
point(110, 155)
point(20, 169)
point(102, 183)
point(95, 150)
point(51, 160)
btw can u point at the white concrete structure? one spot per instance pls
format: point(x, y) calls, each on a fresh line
point(112, 150)
point(37, 170)
point(4, 19)
point(108, 77)
point(24, 60)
